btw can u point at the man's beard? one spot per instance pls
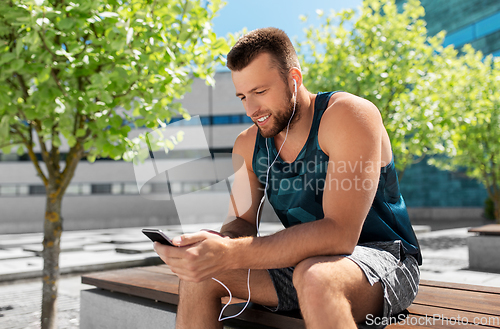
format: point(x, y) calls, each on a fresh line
point(282, 119)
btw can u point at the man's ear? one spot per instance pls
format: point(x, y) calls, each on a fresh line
point(295, 74)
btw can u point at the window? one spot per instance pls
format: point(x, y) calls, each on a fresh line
point(488, 25)
point(159, 188)
point(218, 120)
point(37, 189)
point(235, 118)
point(247, 119)
point(73, 189)
point(190, 187)
point(130, 188)
point(474, 31)
point(460, 37)
point(101, 188)
point(176, 188)
point(221, 120)
point(23, 190)
point(85, 189)
point(116, 188)
point(205, 121)
point(8, 190)
point(145, 189)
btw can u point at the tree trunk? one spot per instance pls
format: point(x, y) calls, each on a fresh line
point(51, 250)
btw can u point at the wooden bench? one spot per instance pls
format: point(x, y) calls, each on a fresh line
point(155, 289)
point(484, 247)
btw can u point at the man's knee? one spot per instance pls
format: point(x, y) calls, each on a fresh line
point(313, 281)
point(207, 288)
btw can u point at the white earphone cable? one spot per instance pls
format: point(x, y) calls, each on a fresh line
point(257, 217)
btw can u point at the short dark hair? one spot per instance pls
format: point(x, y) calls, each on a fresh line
point(266, 40)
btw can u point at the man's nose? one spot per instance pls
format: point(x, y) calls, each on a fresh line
point(251, 106)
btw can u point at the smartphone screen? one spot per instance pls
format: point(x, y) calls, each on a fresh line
point(157, 235)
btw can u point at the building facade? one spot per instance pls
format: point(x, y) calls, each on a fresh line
point(475, 22)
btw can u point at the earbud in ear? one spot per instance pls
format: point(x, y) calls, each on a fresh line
point(295, 85)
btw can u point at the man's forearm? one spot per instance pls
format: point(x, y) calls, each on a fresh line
point(291, 246)
point(238, 227)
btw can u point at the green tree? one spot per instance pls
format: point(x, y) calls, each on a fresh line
point(387, 58)
point(84, 72)
point(471, 120)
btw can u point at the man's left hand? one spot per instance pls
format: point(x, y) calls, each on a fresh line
point(197, 256)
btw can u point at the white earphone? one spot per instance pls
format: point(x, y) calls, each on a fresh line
point(295, 86)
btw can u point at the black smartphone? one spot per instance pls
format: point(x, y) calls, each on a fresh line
point(157, 235)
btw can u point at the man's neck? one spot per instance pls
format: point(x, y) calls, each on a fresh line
point(299, 131)
point(305, 102)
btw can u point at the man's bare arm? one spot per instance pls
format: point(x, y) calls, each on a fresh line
point(246, 190)
point(355, 132)
point(238, 227)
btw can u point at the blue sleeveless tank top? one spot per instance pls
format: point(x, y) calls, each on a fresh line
point(295, 190)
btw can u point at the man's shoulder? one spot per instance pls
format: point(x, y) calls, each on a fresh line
point(348, 116)
point(344, 103)
point(245, 143)
point(247, 137)
point(347, 111)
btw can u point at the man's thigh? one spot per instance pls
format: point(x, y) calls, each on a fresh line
point(339, 274)
point(261, 286)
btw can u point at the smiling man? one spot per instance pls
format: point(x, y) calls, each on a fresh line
point(348, 252)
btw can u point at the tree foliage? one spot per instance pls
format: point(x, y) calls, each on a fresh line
point(387, 58)
point(80, 74)
point(471, 120)
point(69, 65)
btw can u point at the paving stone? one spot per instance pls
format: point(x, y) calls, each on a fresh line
point(14, 253)
point(20, 304)
point(135, 248)
point(93, 239)
point(20, 268)
point(65, 247)
point(124, 239)
point(12, 242)
point(99, 247)
point(79, 261)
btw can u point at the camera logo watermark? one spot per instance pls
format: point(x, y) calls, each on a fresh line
point(180, 152)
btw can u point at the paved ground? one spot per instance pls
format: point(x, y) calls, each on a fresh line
point(444, 251)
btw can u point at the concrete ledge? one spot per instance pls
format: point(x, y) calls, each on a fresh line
point(103, 309)
point(483, 253)
point(109, 310)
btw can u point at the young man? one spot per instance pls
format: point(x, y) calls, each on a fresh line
point(348, 253)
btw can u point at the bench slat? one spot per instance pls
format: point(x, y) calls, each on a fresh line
point(162, 269)
point(463, 300)
point(490, 229)
point(161, 284)
point(458, 286)
point(134, 281)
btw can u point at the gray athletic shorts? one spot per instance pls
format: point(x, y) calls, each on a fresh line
point(383, 262)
